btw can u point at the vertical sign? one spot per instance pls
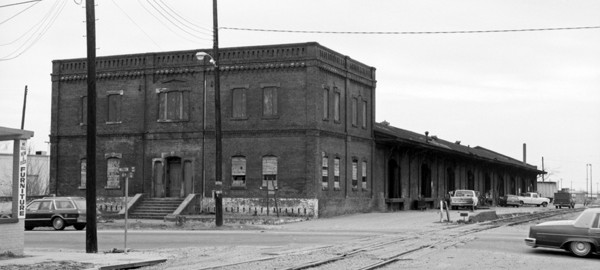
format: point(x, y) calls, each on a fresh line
point(22, 199)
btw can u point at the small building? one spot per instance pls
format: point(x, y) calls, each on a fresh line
point(296, 118)
point(12, 225)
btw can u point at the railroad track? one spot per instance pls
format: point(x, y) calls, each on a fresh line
point(379, 251)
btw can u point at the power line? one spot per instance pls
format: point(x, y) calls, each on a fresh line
point(411, 32)
point(175, 24)
point(46, 24)
point(195, 26)
point(141, 29)
point(19, 12)
point(20, 3)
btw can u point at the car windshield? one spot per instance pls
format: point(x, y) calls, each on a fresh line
point(463, 193)
point(80, 204)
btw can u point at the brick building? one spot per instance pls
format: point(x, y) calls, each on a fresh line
point(299, 115)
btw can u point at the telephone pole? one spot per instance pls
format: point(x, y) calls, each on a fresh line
point(218, 138)
point(91, 237)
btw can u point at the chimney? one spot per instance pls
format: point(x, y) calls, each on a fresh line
point(524, 153)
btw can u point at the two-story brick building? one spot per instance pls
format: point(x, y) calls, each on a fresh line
point(300, 115)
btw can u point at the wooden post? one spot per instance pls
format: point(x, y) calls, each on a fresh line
point(91, 238)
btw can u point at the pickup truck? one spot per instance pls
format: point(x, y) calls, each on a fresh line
point(533, 198)
point(565, 199)
point(464, 198)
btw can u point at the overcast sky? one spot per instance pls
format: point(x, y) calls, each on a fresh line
point(497, 90)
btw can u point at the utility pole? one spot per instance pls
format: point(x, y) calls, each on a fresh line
point(218, 146)
point(24, 106)
point(543, 178)
point(91, 237)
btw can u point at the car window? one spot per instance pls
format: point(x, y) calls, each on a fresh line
point(80, 204)
point(33, 206)
point(585, 219)
point(46, 205)
point(64, 205)
point(596, 223)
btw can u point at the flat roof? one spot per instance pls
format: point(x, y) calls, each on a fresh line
point(7, 134)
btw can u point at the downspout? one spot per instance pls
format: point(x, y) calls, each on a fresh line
point(346, 127)
point(144, 129)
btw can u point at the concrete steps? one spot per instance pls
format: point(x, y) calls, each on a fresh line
point(155, 208)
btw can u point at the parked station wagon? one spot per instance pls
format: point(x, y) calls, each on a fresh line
point(580, 236)
point(56, 212)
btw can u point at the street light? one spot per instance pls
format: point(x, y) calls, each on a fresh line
point(218, 138)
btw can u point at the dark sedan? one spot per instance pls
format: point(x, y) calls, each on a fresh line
point(56, 212)
point(580, 236)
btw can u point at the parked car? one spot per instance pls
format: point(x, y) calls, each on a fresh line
point(509, 200)
point(464, 198)
point(56, 212)
point(565, 199)
point(533, 198)
point(580, 236)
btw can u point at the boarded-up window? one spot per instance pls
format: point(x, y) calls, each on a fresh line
point(354, 174)
point(114, 108)
point(336, 106)
point(238, 102)
point(83, 110)
point(83, 175)
point(364, 175)
point(325, 172)
point(325, 103)
point(269, 170)
point(173, 105)
point(354, 111)
point(336, 173)
point(364, 114)
point(238, 171)
point(112, 173)
point(269, 101)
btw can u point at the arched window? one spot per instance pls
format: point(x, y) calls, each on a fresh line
point(336, 173)
point(354, 174)
point(364, 175)
point(83, 175)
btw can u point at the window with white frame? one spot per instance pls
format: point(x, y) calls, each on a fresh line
point(336, 173)
point(325, 172)
point(354, 174)
point(173, 105)
point(269, 171)
point(364, 175)
point(238, 171)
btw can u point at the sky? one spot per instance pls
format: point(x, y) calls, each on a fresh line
point(497, 90)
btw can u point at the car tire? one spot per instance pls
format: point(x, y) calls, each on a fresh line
point(544, 204)
point(580, 248)
point(58, 223)
point(79, 227)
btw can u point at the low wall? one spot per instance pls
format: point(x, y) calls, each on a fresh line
point(12, 236)
point(258, 206)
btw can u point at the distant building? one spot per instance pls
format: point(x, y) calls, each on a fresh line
point(38, 172)
point(300, 115)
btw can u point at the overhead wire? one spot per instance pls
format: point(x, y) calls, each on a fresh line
point(411, 32)
point(193, 26)
point(175, 24)
point(133, 21)
point(19, 3)
point(46, 24)
point(164, 24)
point(19, 13)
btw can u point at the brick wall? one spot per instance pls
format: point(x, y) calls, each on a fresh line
point(12, 237)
